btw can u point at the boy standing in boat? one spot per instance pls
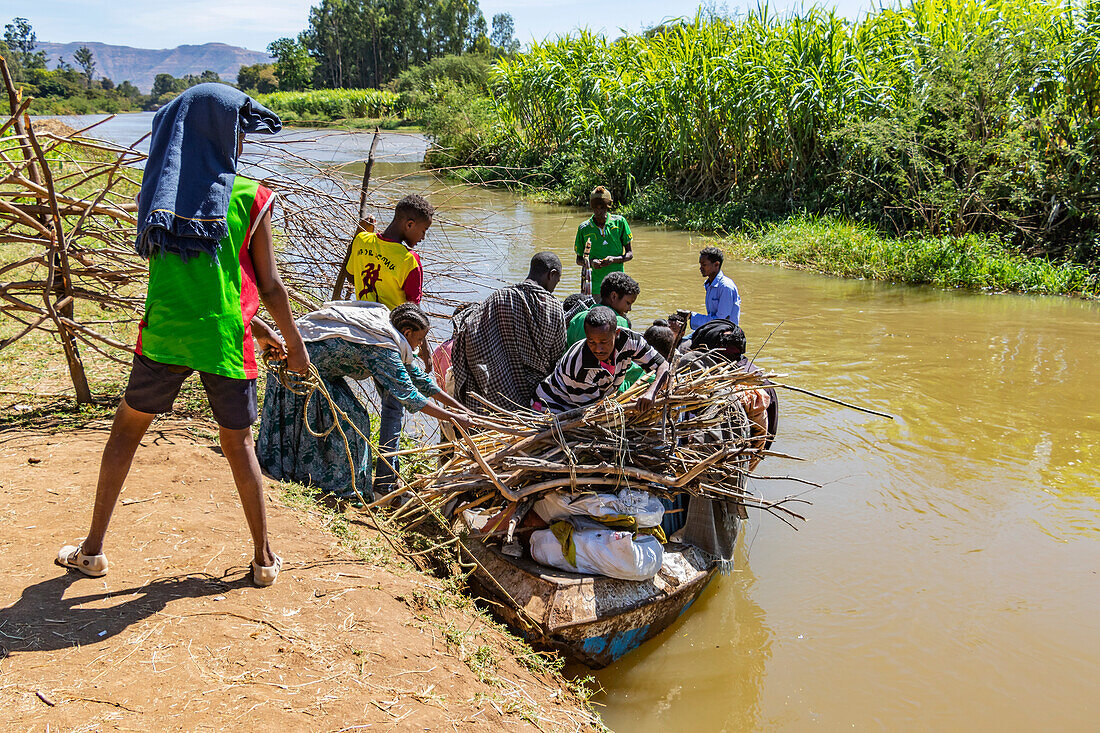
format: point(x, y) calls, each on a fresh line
point(207, 235)
point(604, 240)
point(722, 298)
point(386, 269)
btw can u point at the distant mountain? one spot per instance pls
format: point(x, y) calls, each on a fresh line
point(141, 65)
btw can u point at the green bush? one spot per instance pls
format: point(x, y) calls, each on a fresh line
point(973, 261)
point(422, 87)
point(946, 117)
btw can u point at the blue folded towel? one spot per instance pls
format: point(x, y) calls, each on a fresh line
point(192, 162)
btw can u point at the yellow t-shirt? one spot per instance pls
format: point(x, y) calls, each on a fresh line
point(384, 272)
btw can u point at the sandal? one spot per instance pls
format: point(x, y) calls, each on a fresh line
point(265, 575)
point(72, 556)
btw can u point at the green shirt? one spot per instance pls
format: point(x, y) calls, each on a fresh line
point(574, 332)
point(198, 313)
point(610, 242)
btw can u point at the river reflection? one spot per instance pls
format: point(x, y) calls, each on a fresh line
point(724, 636)
point(947, 576)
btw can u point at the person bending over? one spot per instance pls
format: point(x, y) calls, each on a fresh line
point(207, 234)
point(506, 345)
point(348, 340)
point(595, 367)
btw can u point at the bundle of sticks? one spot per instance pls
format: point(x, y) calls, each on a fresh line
point(694, 438)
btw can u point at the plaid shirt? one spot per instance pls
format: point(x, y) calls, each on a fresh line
point(506, 345)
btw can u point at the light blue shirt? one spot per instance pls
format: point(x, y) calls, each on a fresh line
point(722, 301)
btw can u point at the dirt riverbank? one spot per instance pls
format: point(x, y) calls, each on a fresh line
point(175, 637)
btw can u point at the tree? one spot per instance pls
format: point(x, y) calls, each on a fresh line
point(63, 65)
point(366, 43)
point(258, 78)
point(21, 41)
point(166, 84)
point(504, 32)
point(293, 64)
point(86, 61)
point(127, 89)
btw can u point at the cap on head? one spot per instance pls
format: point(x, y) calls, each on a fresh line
point(600, 193)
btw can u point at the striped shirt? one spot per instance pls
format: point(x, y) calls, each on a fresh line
point(580, 379)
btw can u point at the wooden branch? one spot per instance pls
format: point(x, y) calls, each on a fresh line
point(61, 258)
point(836, 401)
point(341, 277)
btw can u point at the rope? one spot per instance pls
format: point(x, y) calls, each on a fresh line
point(308, 386)
point(559, 438)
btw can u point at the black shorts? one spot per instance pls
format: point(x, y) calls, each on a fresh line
point(153, 388)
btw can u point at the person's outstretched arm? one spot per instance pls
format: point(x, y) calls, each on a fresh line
point(274, 296)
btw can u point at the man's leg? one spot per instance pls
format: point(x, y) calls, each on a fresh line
point(126, 433)
point(239, 451)
point(389, 438)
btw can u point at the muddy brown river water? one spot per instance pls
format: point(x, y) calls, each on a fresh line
point(947, 576)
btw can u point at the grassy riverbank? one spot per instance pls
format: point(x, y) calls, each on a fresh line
point(331, 105)
point(845, 249)
point(834, 245)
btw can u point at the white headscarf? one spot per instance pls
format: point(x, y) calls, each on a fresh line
point(359, 321)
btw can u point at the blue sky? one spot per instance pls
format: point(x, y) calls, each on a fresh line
point(255, 23)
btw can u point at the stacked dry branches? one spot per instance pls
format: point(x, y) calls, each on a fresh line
point(67, 225)
point(68, 212)
point(694, 439)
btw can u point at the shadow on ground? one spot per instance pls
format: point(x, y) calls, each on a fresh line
point(47, 617)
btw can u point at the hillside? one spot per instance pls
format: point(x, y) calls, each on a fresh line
point(141, 65)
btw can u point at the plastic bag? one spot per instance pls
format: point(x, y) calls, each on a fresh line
point(631, 502)
point(602, 552)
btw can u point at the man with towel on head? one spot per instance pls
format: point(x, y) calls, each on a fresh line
point(207, 235)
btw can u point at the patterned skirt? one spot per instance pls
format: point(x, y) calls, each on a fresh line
point(286, 449)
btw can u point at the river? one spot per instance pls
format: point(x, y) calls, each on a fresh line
point(946, 578)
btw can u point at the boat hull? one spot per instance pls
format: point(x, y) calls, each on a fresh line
point(593, 620)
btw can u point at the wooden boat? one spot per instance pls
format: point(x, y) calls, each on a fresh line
point(590, 619)
point(594, 619)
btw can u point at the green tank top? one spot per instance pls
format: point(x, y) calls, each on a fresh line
point(198, 313)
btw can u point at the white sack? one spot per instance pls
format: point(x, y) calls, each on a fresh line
point(641, 504)
point(602, 552)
